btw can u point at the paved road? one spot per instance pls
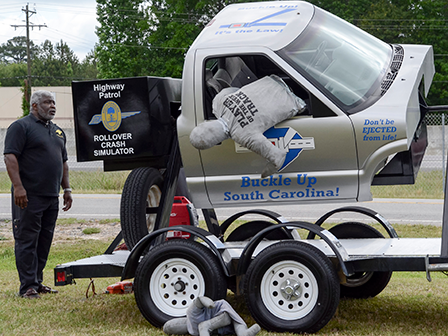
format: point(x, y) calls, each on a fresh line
point(396, 211)
point(85, 206)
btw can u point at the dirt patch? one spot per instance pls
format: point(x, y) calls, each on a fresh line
point(67, 232)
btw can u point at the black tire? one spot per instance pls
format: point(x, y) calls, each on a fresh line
point(291, 286)
point(247, 231)
point(250, 229)
point(190, 266)
point(361, 285)
point(142, 189)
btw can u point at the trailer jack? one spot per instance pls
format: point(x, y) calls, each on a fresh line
point(434, 267)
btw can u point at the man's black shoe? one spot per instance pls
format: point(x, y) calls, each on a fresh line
point(45, 290)
point(31, 293)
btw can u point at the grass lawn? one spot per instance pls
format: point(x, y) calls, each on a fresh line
point(84, 182)
point(408, 306)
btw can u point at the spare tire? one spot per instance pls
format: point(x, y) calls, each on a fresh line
point(361, 285)
point(142, 189)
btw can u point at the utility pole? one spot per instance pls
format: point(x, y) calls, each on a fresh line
point(28, 56)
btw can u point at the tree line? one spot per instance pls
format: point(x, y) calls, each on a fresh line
point(142, 38)
point(52, 64)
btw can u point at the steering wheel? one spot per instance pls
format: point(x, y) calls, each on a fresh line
point(317, 55)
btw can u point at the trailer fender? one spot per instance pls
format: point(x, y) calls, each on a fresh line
point(365, 211)
point(268, 213)
point(328, 237)
point(131, 264)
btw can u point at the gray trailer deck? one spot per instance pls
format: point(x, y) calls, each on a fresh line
point(388, 254)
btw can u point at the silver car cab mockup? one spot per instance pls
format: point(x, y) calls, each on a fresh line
point(363, 106)
point(363, 125)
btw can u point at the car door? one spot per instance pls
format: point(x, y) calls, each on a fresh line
point(321, 160)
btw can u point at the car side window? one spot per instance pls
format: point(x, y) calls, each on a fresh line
point(237, 71)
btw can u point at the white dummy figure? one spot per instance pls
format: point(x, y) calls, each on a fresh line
point(245, 114)
point(205, 315)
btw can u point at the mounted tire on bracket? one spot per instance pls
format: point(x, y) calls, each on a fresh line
point(293, 287)
point(250, 229)
point(361, 285)
point(142, 189)
point(171, 275)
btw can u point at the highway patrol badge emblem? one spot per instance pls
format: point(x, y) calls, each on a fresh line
point(111, 116)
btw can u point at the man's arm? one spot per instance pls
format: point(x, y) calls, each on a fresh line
point(12, 167)
point(68, 200)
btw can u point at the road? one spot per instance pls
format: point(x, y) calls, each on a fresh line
point(396, 211)
point(84, 206)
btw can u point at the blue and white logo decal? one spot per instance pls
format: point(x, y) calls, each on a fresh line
point(111, 116)
point(288, 138)
point(285, 138)
point(262, 22)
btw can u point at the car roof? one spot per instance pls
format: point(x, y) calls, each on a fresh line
point(269, 24)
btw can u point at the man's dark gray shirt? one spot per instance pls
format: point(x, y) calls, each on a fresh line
point(40, 151)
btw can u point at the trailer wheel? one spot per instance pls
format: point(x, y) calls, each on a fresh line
point(361, 285)
point(291, 287)
point(172, 275)
point(142, 189)
point(250, 229)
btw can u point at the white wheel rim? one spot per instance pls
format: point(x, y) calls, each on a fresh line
point(174, 285)
point(289, 290)
point(152, 201)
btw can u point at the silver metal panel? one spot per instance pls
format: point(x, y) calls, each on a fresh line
point(393, 247)
point(356, 248)
point(117, 258)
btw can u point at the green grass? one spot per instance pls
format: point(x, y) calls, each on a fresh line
point(93, 230)
point(69, 221)
point(429, 185)
point(94, 182)
point(408, 306)
point(98, 182)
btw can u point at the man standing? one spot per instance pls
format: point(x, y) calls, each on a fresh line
point(36, 161)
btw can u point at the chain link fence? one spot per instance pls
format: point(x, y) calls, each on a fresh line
point(431, 177)
point(430, 180)
point(435, 156)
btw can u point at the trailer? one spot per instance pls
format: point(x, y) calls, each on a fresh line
point(302, 278)
point(363, 125)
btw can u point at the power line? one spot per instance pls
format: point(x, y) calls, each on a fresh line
point(75, 38)
point(28, 58)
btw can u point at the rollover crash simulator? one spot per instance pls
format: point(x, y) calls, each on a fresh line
point(363, 125)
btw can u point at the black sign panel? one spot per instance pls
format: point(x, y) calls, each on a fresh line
point(124, 119)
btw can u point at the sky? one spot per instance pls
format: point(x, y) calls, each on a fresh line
point(72, 21)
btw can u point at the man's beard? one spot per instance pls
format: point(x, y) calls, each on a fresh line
point(45, 116)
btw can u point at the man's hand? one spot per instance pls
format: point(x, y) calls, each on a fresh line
point(20, 198)
point(12, 167)
point(65, 184)
point(68, 200)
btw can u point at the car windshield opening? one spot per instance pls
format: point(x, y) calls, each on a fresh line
point(345, 62)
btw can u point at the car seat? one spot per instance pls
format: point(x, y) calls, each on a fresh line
point(232, 71)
